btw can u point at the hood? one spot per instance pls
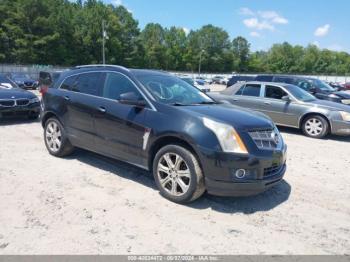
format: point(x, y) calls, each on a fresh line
point(15, 93)
point(331, 105)
point(239, 118)
point(342, 94)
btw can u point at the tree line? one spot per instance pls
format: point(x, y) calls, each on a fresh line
point(62, 32)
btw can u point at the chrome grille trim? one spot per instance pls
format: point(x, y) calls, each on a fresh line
point(14, 102)
point(264, 139)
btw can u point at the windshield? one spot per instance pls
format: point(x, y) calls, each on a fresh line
point(300, 94)
point(20, 75)
point(6, 82)
point(322, 85)
point(172, 90)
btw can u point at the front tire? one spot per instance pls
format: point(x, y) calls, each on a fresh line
point(178, 174)
point(56, 140)
point(315, 126)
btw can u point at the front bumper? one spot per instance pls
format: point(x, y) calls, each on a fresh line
point(341, 128)
point(262, 172)
point(18, 111)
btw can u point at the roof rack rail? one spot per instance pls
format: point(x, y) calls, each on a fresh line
point(101, 65)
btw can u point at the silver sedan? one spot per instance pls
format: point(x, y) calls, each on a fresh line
point(289, 105)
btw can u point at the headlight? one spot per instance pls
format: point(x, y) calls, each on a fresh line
point(18, 82)
point(333, 96)
point(228, 138)
point(34, 100)
point(345, 115)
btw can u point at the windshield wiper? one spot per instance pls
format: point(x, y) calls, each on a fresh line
point(178, 104)
point(206, 103)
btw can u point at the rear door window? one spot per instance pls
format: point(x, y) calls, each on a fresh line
point(89, 83)
point(69, 82)
point(251, 90)
point(274, 92)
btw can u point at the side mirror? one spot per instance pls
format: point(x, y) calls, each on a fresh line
point(286, 98)
point(130, 98)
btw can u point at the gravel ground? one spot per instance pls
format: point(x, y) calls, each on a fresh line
point(89, 204)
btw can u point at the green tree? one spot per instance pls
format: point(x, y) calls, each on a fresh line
point(241, 51)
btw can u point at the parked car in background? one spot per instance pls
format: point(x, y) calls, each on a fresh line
point(239, 78)
point(206, 80)
point(163, 124)
point(336, 85)
point(289, 105)
point(18, 102)
point(24, 80)
point(347, 86)
point(316, 87)
point(200, 84)
point(6, 82)
point(220, 80)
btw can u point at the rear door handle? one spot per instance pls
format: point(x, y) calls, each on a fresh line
point(267, 103)
point(67, 98)
point(102, 109)
point(235, 99)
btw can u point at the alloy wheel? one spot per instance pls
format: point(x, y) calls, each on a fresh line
point(53, 136)
point(173, 174)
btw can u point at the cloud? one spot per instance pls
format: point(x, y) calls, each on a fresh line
point(262, 20)
point(254, 34)
point(186, 30)
point(322, 30)
point(255, 23)
point(117, 2)
point(246, 11)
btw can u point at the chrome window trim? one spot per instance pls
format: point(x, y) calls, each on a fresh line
point(107, 71)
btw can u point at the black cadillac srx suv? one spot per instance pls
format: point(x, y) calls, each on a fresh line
point(161, 123)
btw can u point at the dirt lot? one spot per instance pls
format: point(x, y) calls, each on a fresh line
point(88, 204)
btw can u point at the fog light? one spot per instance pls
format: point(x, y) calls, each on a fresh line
point(240, 173)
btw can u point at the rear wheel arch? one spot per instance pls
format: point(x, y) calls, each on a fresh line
point(47, 116)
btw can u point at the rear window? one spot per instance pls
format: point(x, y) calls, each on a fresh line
point(250, 90)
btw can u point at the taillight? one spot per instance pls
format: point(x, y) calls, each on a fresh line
point(43, 89)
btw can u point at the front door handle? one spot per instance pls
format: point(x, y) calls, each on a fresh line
point(67, 98)
point(267, 103)
point(102, 109)
point(235, 99)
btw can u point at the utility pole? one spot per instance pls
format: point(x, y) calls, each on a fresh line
point(103, 42)
point(200, 62)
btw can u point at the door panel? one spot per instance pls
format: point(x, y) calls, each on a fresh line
point(120, 128)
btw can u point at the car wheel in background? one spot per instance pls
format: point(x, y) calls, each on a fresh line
point(56, 140)
point(178, 174)
point(315, 126)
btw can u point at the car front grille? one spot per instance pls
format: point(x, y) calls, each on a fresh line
point(14, 102)
point(7, 103)
point(22, 102)
point(273, 170)
point(265, 139)
point(28, 83)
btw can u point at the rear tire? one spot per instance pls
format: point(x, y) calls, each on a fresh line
point(56, 140)
point(178, 174)
point(315, 126)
